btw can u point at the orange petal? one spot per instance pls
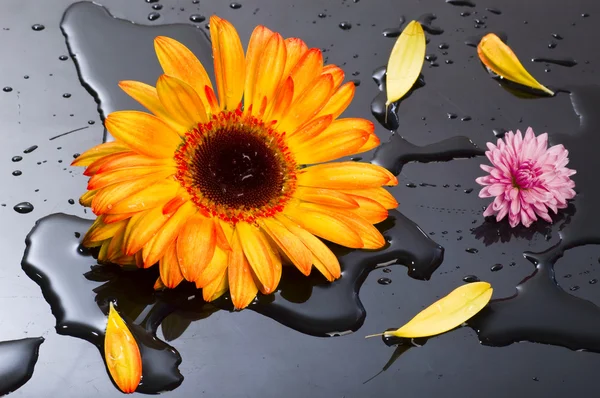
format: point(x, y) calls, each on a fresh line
point(102, 180)
point(159, 284)
point(178, 61)
point(155, 195)
point(336, 72)
point(339, 101)
point(258, 40)
point(106, 198)
point(325, 225)
point(86, 198)
point(369, 209)
point(195, 246)
point(323, 259)
point(346, 175)
point(99, 151)
point(336, 130)
point(170, 273)
point(370, 236)
point(115, 247)
point(222, 240)
point(216, 288)
point(328, 147)
point(211, 100)
point(306, 70)
point(99, 163)
point(265, 261)
point(144, 133)
point(141, 228)
point(229, 62)
point(241, 281)
point(280, 105)
point(121, 353)
point(100, 231)
point(181, 102)
point(329, 197)
point(112, 218)
point(289, 243)
point(146, 95)
point(295, 49)
point(216, 267)
point(157, 246)
point(308, 104)
point(372, 142)
point(103, 252)
point(270, 69)
point(309, 130)
point(131, 159)
point(380, 195)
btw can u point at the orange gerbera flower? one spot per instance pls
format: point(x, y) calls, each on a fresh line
point(220, 196)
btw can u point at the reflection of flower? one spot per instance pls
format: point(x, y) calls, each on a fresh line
point(219, 195)
point(527, 178)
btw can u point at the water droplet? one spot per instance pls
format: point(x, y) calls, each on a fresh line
point(452, 115)
point(71, 201)
point(465, 14)
point(557, 36)
point(552, 44)
point(574, 288)
point(23, 207)
point(472, 250)
point(384, 281)
point(444, 46)
point(153, 16)
point(197, 18)
point(66, 95)
point(195, 1)
point(470, 279)
point(585, 15)
point(17, 158)
point(411, 185)
point(7, 89)
point(496, 267)
point(468, 190)
point(494, 11)
point(17, 173)
point(345, 25)
point(512, 264)
point(91, 122)
point(157, 7)
point(387, 270)
point(322, 15)
point(593, 281)
point(37, 27)
point(30, 149)
point(499, 133)
point(356, 82)
point(567, 276)
point(449, 62)
point(235, 6)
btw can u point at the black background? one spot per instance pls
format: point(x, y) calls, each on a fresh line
point(248, 355)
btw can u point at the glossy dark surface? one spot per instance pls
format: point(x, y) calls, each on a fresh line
point(247, 354)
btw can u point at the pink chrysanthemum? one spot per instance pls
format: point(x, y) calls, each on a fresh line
point(526, 178)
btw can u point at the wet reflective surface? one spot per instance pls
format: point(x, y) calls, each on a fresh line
point(556, 305)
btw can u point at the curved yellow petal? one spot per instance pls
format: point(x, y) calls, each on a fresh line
point(181, 102)
point(345, 175)
point(156, 194)
point(379, 194)
point(144, 133)
point(330, 147)
point(281, 103)
point(99, 231)
point(339, 101)
point(216, 288)
point(308, 130)
point(370, 209)
point(195, 246)
point(122, 353)
point(241, 281)
point(289, 244)
point(330, 197)
point(178, 61)
point(131, 159)
point(295, 49)
point(216, 267)
point(306, 70)
point(102, 180)
point(229, 62)
point(86, 198)
point(336, 73)
point(98, 152)
point(170, 274)
point(98, 164)
point(265, 261)
point(258, 39)
point(270, 70)
point(141, 228)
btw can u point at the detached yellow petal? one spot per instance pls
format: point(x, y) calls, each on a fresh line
point(447, 313)
point(406, 62)
point(122, 354)
point(500, 59)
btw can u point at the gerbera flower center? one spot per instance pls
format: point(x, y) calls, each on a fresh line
point(526, 175)
point(236, 168)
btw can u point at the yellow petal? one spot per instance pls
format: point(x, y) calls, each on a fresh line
point(144, 133)
point(122, 354)
point(216, 267)
point(86, 198)
point(102, 180)
point(170, 274)
point(345, 175)
point(241, 281)
point(336, 72)
point(339, 101)
point(329, 197)
point(181, 102)
point(281, 102)
point(229, 62)
point(328, 147)
point(370, 209)
point(372, 142)
point(289, 243)
point(100, 231)
point(270, 70)
point(99, 151)
point(131, 159)
point(141, 228)
point(147, 96)
point(447, 313)
point(156, 194)
point(406, 62)
point(500, 59)
point(101, 162)
point(306, 70)
point(265, 261)
point(295, 49)
point(178, 61)
point(216, 288)
point(308, 130)
point(196, 246)
point(258, 39)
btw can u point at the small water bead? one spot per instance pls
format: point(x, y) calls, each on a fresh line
point(322, 15)
point(449, 62)
point(235, 6)
point(574, 288)
point(557, 36)
point(157, 7)
point(411, 185)
point(387, 270)
point(391, 32)
point(66, 95)
point(465, 118)
point(552, 45)
point(468, 190)
point(30, 149)
point(593, 281)
point(195, 1)
point(26, 77)
point(470, 279)
point(7, 89)
point(585, 15)
point(23, 208)
point(567, 276)
point(496, 267)
point(430, 57)
point(384, 281)
point(472, 250)
point(197, 18)
point(452, 115)
point(17, 173)
point(91, 122)
point(38, 27)
point(512, 264)
point(63, 58)
point(153, 16)
point(465, 14)
point(356, 82)
point(71, 201)
point(494, 11)
point(345, 25)
point(17, 158)
point(444, 46)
